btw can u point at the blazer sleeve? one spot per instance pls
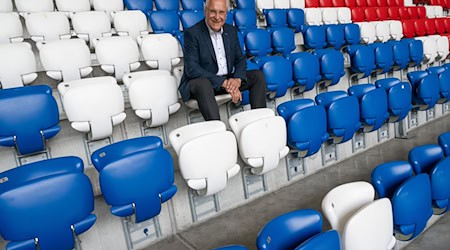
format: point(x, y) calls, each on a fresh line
point(240, 64)
point(192, 61)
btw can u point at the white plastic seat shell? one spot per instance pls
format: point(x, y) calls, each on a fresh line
point(91, 25)
point(160, 51)
point(131, 23)
point(29, 6)
point(17, 65)
point(6, 6)
point(11, 30)
point(48, 26)
point(71, 6)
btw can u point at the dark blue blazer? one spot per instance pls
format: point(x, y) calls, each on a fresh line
point(200, 59)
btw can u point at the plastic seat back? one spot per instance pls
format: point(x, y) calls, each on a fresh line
point(278, 73)
point(207, 155)
point(160, 51)
point(344, 15)
point(167, 4)
point(17, 65)
point(295, 19)
point(34, 193)
point(91, 25)
point(368, 32)
point(326, 240)
point(245, 19)
point(69, 7)
point(111, 6)
point(93, 105)
point(399, 97)
point(425, 89)
point(340, 203)
point(132, 23)
point(424, 157)
point(401, 54)
point(261, 137)
point(352, 33)
point(136, 176)
point(329, 16)
point(313, 16)
point(12, 30)
point(192, 4)
point(331, 65)
point(6, 6)
point(306, 70)
point(191, 17)
point(415, 51)
point(440, 194)
point(25, 7)
point(244, 4)
point(306, 125)
point(314, 37)
point(362, 59)
point(258, 43)
point(144, 5)
point(387, 177)
point(283, 41)
point(164, 21)
point(395, 29)
point(384, 57)
point(48, 26)
point(276, 18)
point(444, 82)
point(335, 35)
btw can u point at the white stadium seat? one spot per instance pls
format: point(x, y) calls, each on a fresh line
point(344, 15)
point(118, 55)
point(298, 4)
point(11, 30)
point(17, 65)
point(282, 4)
point(93, 105)
point(329, 16)
point(160, 51)
point(430, 11)
point(442, 46)
point(264, 4)
point(6, 6)
point(430, 50)
point(368, 31)
point(313, 16)
point(438, 11)
point(381, 31)
point(66, 60)
point(48, 26)
point(395, 29)
point(131, 23)
point(29, 6)
point(91, 25)
point(110, 6)
point(71, 6)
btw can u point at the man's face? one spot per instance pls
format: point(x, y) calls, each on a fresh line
point(216, 14)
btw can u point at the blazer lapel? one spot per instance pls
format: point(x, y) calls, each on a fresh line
point(207, 38)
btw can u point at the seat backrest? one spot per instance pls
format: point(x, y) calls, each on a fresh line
point(28, 116)
point(393, 13)
point(264, 4)
point(340, 203)
point(278, 73)
point(289, 230)
point(245, 19)
point(438, 11)
point(192, 4)
point(295, 19)
point(338, 3)
point(440, 25)
point(306, 123)
point(403, 13)
point(444, 82)
point(30, 6)
point(401, 54)
point(160, 51)
point(137, 174)
point(382, 31)
point(167, 4)
point(344, 15)
point(329, 16)
point(207, 155)
point(371, 227)
point(276, 18)
point(429, 11)
point(66, 60)
point(387, 177)
point(440, 176)
point(444, 142)
point(283, 41)
point(326, 3)
point(143, 5)
point(93, 105)
point(261, 137)
point(282, 4)
point(399, 97)
point(424, 157)
point(311, 3)
point(362, 59)
point(298, 4)
point(370, 14)
point(48, 26)
point(258, 43)
point(306, 70)
point(164, 21)
point(408, 28)
point(415, 50)
point(419, 27)
point(6, 6)
point(384, 57)
point(411, 205)
point(132, 23)
point(382, 13)
point(357, 14)
point(17, 65)
point(327, 240)
point(413, 13)
point(425, 89)
point(442, 44)
point(313, 16)
point(244, 4)
point(331, 65)
point(68, 6)
point(110, 6)
point(12, 30)
point(395, 29)
point(33, 193)
point(190, 17)
point(352, 33)
point(91, 25)
point(118, 55)
point(368, 32)
point(153, 95)
point(314, 37)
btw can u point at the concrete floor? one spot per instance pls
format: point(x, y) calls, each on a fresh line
point(241, 225)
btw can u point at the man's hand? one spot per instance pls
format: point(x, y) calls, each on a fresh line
point(236, 96)
point(232, 86)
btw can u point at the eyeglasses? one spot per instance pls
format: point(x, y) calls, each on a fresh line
point(216, 12)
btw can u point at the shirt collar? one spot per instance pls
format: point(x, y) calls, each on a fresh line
point(212, 32)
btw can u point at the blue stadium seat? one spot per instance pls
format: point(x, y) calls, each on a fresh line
point(190, 17)
point(245, 4)
point(399, 97)
point(306, 123)
point(342, 114)
point(335, 35)
point(384, 57)
point(425, 88)
point(278, 72)
point(142, 5)
point(28, 117)
point(415, 50)
point(44, 205)
point(230, 17)
point(444, 82)
point(327, 240)
point(136, 176)
point(306, 70)
point(164, 21)
point(444, 142)
point(314, 37)
point(362, 59)
point(192, 4)
point(295, 19)
point(289, 230)
point(401, 54)
point(331, 65)
point(167, 4)
point(276, 18)
point(411, 197)
point(352, 34)
point(283, 40)
point(241, 42)
point(373, 105)
point(258, 43)
point(423, 158)
point(440, 186)
point(245, 19)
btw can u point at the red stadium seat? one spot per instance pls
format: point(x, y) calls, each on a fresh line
point(419, 27)
point(361, 3)
point(311, 3)
point(400, 3)
point(372, 3)
point(403, 13)
point(422, 12)
point(447, 25)
point(370, 14)
point(325, 3)
point(382, 3)
point(413, 14)
point(393, 13)
point(338, 3)
point(440, 25)
point(430, 26)
point(408, 28)
point(358, 15)
point(391, 3)
point(350, 3)
point(382, 13)
point(447, 4)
